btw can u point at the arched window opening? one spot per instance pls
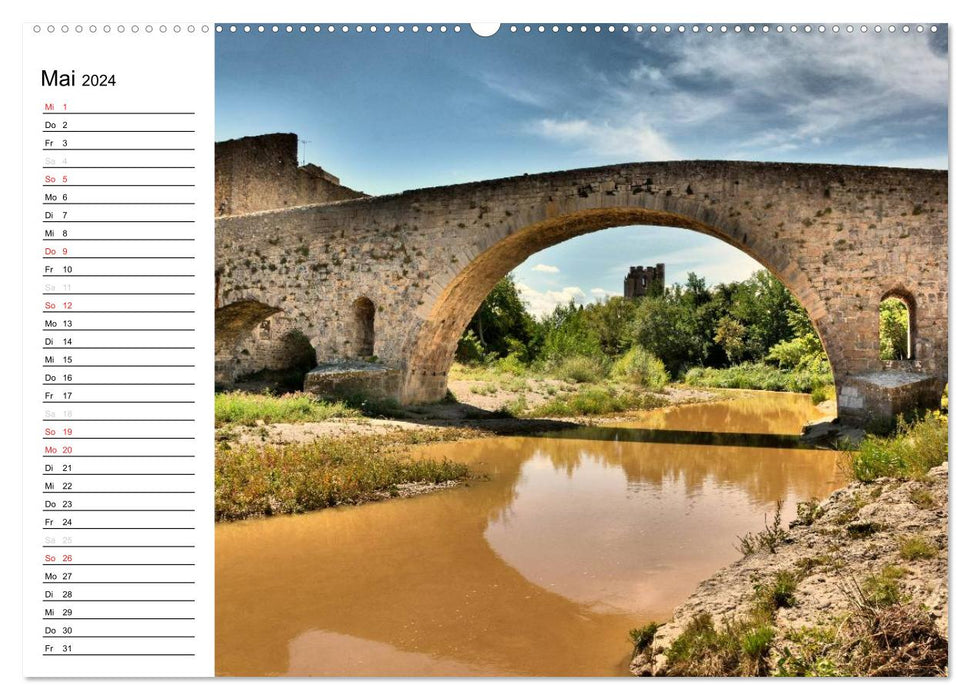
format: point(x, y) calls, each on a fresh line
point(896, 328)
point(362, 340)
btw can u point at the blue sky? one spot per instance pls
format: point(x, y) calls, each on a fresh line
point(389, 112)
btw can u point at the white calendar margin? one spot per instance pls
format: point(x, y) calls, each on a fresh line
point(154, 70)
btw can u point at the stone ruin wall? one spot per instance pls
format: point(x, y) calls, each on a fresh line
point(260, 173)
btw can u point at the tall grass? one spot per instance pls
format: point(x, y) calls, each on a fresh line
point(757, 376)
point(253, 480)
point(910, 452)
point(242, 408)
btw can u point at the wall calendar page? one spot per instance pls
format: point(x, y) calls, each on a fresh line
point(613, 350)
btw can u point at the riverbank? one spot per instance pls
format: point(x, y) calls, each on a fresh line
point(296, 453)
point(856, 586)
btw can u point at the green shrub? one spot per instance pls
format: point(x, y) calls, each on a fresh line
point(754, 375)
point(822, 393)
point(511, 364)
point(638, 366)
point(909, 453)
point(642, 637)
point(595, 401)
point(580, 369)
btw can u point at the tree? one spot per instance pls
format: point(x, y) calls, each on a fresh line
point(502, 319)
point(762, 303)
point(667, 326)
point(894, 329)
point(730, 334)
point(610, 320)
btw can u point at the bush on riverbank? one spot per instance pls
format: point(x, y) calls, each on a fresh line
point(640, 367)
point(597, 401)
point(243, 408)
point(909, 453)
point(253, 480)
point(758, 376)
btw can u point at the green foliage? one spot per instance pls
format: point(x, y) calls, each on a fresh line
point(912, 548)
point(756, 376)
point(642, 637)
point(511, 364)
point(739, 648)
point(822, 393)
point(595, 401)
point(909, 453)
point(502, 318)
point(470, 350)
point(669, 328)
point(580, 369)
point(810, 653)
point(241, 408)
point(640, 367)
point(803, 350)
point(566, 332)
point(611, 320)
point(741, 324)
point(894, 329)
point(294, 478)
point(730, 334)
point(883, 589)
point(780, 592)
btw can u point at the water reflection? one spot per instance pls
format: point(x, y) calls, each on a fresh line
point(539, 571)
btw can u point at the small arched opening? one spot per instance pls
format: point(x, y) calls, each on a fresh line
point(897, 324)
point(362, 331)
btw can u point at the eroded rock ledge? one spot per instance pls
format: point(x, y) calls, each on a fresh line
point(886, 538)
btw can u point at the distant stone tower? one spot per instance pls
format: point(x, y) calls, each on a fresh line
point(644, 281)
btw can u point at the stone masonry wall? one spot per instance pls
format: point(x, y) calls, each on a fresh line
point(259, 173)
point(840, 237)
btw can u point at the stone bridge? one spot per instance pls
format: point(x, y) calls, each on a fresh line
point(395, 279)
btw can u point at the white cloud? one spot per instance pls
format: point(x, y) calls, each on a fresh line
point(541, 267)
point(804, 97)
point(541, 303)
point(600, 293)
point(629, 139)
point(507, 87)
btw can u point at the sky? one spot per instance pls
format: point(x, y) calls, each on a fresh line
point(391, 112)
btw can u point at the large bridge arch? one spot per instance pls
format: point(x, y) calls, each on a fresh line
point(839, 237)
point(433, 349)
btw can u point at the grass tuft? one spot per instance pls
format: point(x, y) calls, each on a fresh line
point(913, 548)
point(242, 408)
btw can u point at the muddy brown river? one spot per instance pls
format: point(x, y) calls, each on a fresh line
point(540, 570)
